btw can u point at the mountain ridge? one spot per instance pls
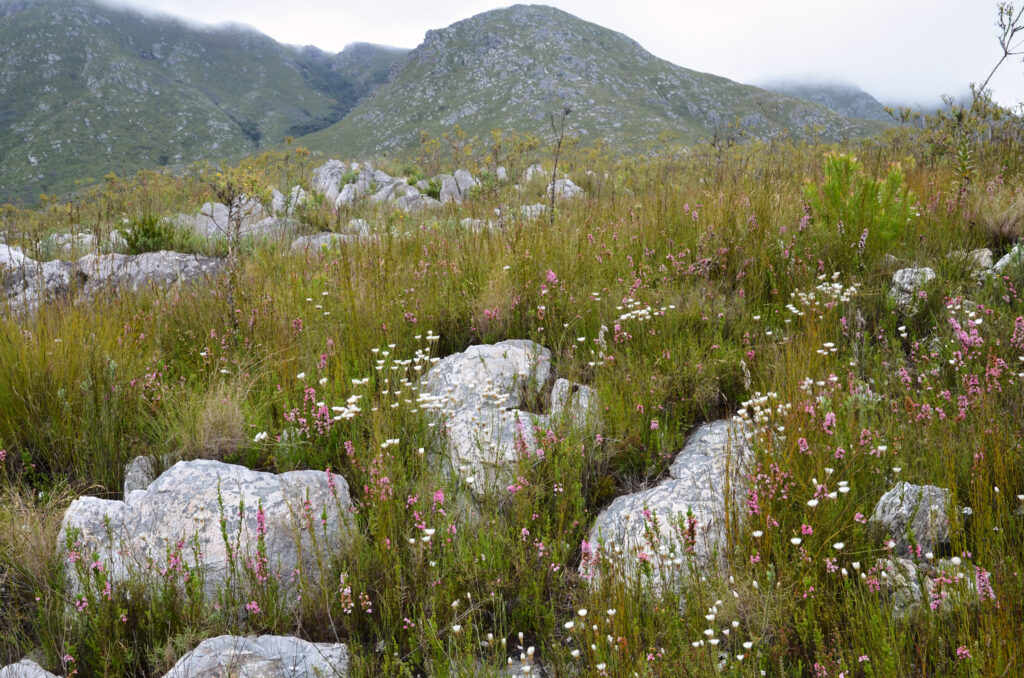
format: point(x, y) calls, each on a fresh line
point(508, 68)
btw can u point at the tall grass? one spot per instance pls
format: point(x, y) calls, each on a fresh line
point(679, 288)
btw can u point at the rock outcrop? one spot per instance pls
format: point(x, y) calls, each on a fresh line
point(919, 510)
point(658, 529)
point(174, 525)
point(262, 657)
point(26, 668)
point(490, 398)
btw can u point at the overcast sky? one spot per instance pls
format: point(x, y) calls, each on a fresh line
point(898, 50)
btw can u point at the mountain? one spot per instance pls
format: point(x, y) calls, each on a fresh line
point(89, 89)
point(509, 68)
point(847, 100)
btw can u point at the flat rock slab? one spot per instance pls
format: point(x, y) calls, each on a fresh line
point(649, 526)
point(262, 657)
point(180, 514)
point(505, 374)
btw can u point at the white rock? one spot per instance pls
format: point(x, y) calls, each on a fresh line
point(262, 657)
point(712, 458)
point(180, 513)
point(26, 668)
point(327, 179)
point(921, 508)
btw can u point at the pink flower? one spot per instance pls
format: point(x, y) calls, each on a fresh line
point(253, 607)
point(654, 424)
point(806, 529)
point(963, 653)
point(551, 277)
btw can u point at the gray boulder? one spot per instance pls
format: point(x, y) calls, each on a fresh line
point(651, 525)
point(465, 181)
point(26, 283)
point(327, 179)
point(134, 271)
point(262, 657)
point(564, 189)
point(449, 189)
point(490, 398)
point(414, 202)
point(350, 192)
point(917, 508)
point(905, 284)
point(501, 173)
point(284, 206)
point(67, 244)
point(507, 374)
point(214, 219)
point(26, 668)
point(179, 515)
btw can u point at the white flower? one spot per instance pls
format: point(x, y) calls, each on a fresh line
point(575, 654)
point(323, 381)
point(795, 541)
point(569, 624)
point(812, 503)
point(300, 375)
point(838, 546)
point(582, 612)
point(757, 534)
point(456, 628)
point(262, 435)
point(747, 645)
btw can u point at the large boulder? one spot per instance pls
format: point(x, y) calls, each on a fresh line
point(490, 398)
point(465, 181)
point(134, 271)
point(564, 189)
point(215, 221)
point(26, 668)
point(262, 657)
point(175, 525)
point(916, 509)
point(656, 530)
point(327, 179)
point(449, 189)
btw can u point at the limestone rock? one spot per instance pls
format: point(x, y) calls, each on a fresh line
point(327, 179)
point(574, 403)
point(26, 668)
point(564, 189)
point(905, 284)
point(179, 515)
point(139, 474)
point(26, 283)
point(465, 181)
point(489, 398)
point(319, 241)
point(651, 525)
point(1014, 257)
point(501, 173)
point(262, 657)
point(449, 189)
point(921, 508)
point(162, 268)
point(506, 374)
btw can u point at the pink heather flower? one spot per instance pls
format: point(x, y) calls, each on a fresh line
point(806, 529)
point(551, 277)
point(439, 497)
point(3, 455)
point(253, 607)
point(654, 424)
point(963, 653)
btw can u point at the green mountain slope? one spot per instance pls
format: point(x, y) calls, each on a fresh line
point(843, 99)
point(509, 68)
point(89, 89)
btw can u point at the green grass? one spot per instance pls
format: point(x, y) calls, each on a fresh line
point(723, 241)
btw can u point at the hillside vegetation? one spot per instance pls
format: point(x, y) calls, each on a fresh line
point(683, 287)
point(89, 90)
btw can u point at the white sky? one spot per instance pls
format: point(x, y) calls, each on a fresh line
point(898, 50)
